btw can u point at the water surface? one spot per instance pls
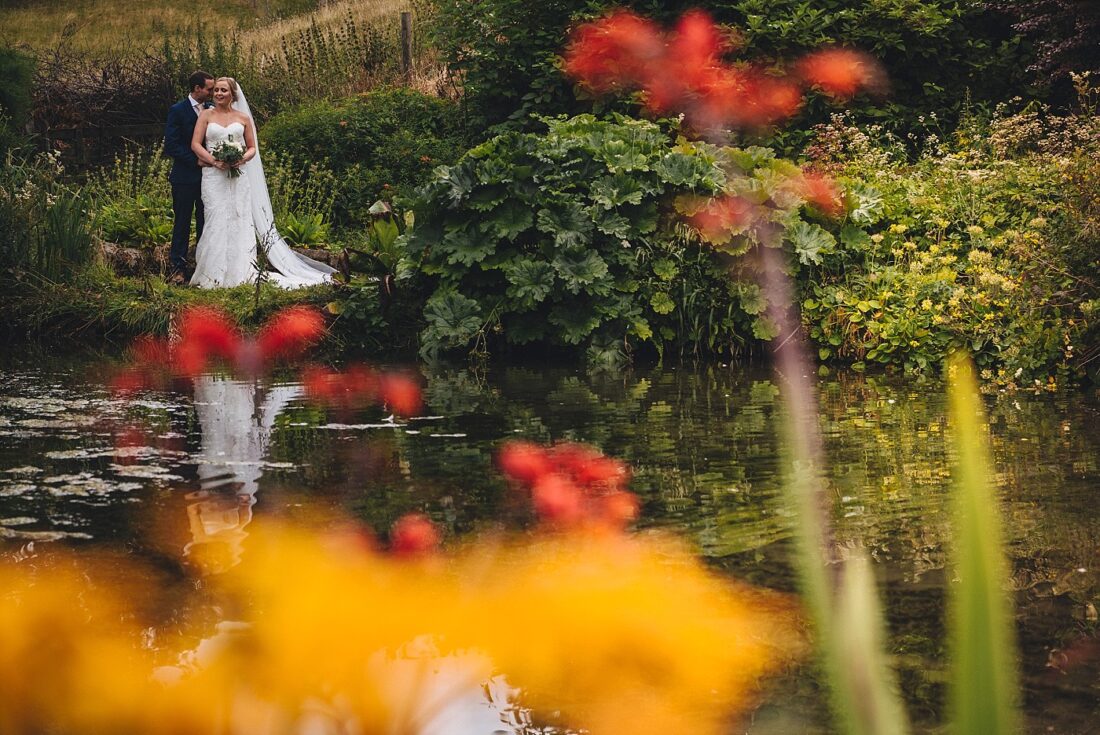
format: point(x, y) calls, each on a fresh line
point(200, 463)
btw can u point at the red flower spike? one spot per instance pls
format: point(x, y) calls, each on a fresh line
point(841, 72)
point(189, 359)
point(319, 383)
point(619, 508)
point(720, 217)
point(361, 382)
point(601, 471)
point(697, 41)
point(401, 394)
point(822, 192)
point(557, 500)
point(414, 535)
point(614, 52)
point(208, 331)
point(524, 461)
point(291, 332)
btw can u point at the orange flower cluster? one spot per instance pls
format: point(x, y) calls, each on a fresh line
point(683, 71)
point(359, 385)
point(571, 485)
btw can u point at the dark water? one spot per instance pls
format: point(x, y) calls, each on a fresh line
point(705, 449)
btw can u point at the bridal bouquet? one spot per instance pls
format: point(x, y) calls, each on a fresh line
point(230, 152)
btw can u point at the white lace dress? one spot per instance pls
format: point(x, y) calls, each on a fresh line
point(237, 210)
point(226, 253)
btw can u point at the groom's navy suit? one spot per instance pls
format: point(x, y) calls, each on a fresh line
point(186, 180)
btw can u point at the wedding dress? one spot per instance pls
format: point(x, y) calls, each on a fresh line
point(238, 216)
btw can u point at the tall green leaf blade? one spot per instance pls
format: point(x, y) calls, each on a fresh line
point(984, 678)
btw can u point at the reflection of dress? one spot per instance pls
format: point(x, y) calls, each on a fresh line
point(236, 429)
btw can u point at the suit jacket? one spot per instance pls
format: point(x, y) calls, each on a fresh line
point(177, 143)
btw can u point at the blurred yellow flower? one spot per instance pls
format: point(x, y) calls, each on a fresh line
point(618, 634)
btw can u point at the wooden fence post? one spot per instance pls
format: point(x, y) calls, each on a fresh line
point(406, 45)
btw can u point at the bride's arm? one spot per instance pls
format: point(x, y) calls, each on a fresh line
point(197, 142)
point(249, 142)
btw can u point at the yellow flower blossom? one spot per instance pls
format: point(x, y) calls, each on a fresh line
point(618, 634)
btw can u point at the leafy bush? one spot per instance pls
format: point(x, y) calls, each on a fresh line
point(40, 222)
point(132, 199)
point(381, 144)
point(935, 51)
point(304, 230)
point(575, 237)
point(989, 242)
point(1063, 31)
point(16, 80)
point(16, 86)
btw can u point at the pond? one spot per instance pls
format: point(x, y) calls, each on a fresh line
point(704, 446)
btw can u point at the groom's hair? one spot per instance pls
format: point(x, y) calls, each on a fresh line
point(198, 79)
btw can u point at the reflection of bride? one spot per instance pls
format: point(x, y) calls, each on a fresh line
point(427, 693)
point(238, 209)
point(236, 429)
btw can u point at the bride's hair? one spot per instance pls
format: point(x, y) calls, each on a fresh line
point(232, 85)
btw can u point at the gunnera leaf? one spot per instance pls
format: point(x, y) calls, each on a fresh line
point(567, 222)
point(580, 270)
point(810, 242)
point(452, 318)
point(529, 281)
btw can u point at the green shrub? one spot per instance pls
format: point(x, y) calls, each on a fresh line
point(27, 187)
point(575, 238)
point(16, 82)
point(131, 200)
point(380, 145)
point(16, 86)
point(988, 242)
point(935, 51)
point(307, 230)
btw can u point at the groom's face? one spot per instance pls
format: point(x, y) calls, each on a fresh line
point(202, 94)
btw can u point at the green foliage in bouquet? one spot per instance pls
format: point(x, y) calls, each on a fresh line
point(576, 238)
point(380, 145)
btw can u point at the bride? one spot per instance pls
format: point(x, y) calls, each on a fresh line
point(238, 207)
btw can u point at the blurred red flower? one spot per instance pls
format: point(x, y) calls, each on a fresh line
point(414, 535)
point(524, 461)
point(206, 331)
point(557, 500)
point(401, 393)
point(292, 331)
point(822, 192)
point(841, 73)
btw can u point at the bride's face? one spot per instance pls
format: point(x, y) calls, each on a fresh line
point(222, 95)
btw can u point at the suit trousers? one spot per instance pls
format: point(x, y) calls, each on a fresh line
point(186, 198)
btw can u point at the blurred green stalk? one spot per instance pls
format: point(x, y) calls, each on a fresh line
point(984, 677)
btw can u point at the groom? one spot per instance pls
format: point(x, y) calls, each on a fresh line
point(185, 177)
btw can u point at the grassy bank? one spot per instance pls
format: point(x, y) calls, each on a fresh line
point(96, 306)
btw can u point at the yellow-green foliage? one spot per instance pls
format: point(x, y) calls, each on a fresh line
point(986, 243)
